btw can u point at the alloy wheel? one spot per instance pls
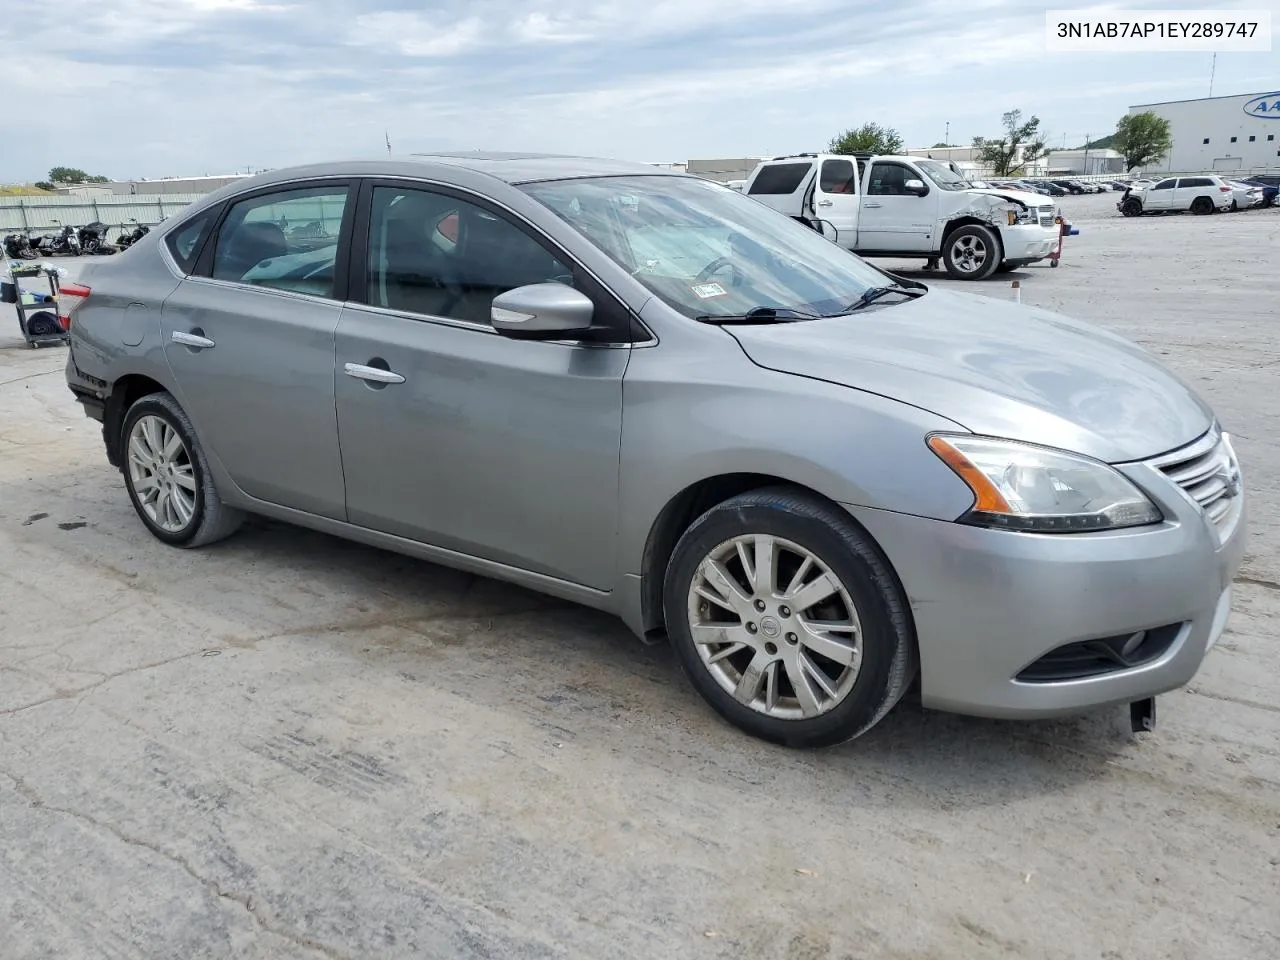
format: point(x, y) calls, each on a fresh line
point(775, 627)
point(161, 473)
point(969, 254)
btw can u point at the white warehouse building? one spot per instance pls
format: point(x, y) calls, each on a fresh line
point(1240, 133)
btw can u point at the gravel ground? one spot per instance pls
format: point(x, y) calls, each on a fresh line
point(291, 746)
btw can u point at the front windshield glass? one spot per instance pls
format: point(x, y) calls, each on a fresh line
point(708, 251)
point(943, 176)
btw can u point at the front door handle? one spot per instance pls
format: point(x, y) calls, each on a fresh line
point(376, 374)
point(826, 203)
point(191, 340)
point(870, 205)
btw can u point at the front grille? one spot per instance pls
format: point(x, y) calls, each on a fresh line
point(1208, 473)
point(1096, 658)
point(1046, 219)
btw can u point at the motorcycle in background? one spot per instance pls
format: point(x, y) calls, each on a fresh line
point(93, 238)
point(17, 246)
point(64, 243)
point(129, 237)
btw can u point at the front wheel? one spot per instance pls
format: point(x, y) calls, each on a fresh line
point(787, 620)
point(167, 475)
point(1131, 208)
point(971, 252)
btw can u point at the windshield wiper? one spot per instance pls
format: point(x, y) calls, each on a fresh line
point(872, 294)
point(759, 315)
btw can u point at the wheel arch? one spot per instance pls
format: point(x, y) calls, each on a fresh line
point(681, 510)
point(125, 392)
point(969, 221)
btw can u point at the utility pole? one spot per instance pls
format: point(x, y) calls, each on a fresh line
point(1086, 154)
point(1213, 68)
point(946, 138)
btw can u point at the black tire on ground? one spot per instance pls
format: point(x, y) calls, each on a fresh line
point(1008, 266)
point(1202, 206)
point(979, 237)
point(889, 661)
point(1131, 207)
point(211, 520)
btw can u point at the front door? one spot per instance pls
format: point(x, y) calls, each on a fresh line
point(835, 201)
point(892, 219)
point(250, 340)
point(455, 435)
point(1161, 196)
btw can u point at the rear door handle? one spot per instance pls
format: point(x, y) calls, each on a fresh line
point(191, 340)
point(376, 374)
point(869, 205)
point(826, 203)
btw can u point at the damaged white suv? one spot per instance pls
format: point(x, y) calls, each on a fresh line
point(891, 206)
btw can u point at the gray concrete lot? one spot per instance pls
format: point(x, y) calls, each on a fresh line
point(290, 746)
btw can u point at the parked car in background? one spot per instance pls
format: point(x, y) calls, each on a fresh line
point(1270, 185)
point(1201, 195)
point(1052, 189)
point(1070, 186)
point(643, 392)
point(1245, 196)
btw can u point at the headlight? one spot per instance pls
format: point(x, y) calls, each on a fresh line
point(1018, 486)
point(1022, 215)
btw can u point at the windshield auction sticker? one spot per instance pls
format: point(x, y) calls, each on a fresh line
point(1128, 31)
point(705, 291)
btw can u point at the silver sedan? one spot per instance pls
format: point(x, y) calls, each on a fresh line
point(646, 393)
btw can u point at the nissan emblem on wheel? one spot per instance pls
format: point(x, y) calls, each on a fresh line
point(637, 390)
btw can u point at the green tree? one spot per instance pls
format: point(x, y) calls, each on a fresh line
point(868, 138)
point(68, 175)
point(1021, 145)
point(1143, 138)
point(43, 185)
point(941, 144)
point(98, 178)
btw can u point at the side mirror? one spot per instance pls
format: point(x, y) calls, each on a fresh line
point(542, 311)
point(915, 187)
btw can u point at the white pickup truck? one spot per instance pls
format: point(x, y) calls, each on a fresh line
point(885, 206)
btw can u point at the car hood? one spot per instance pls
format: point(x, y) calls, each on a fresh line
point(998, 369)
point(1024, 197)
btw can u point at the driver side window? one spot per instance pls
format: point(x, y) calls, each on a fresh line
point(1164, 185)
point(437, 255)
point(888, 180)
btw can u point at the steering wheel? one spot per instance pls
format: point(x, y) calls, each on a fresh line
point(714, 267)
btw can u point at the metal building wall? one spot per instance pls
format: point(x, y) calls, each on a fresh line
point(44, 213)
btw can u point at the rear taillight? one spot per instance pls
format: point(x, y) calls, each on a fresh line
point(70, 297)
point(1224, 189)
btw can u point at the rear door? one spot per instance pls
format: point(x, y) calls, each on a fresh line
point(1191, 187)
point(892, 219)
point(1162, 195)
point(249, 337)
point(835, 200)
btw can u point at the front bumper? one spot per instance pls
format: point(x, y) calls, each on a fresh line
point(1029, 241)
point(988, 604)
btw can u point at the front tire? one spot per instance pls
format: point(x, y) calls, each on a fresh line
point(168, 478)
point(971, 252)
point(787, 619)
point(1131, 208)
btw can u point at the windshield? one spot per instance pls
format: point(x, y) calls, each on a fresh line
point(707, 251)
point(943, 176)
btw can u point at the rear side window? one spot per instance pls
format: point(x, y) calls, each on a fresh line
point(838, 176)
point(185, 242)
point(1195, 182)
point(287, 240)
point(779, 178)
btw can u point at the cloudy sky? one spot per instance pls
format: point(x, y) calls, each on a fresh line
point(133, 88)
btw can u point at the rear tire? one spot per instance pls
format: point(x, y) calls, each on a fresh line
point(765, 680)
point(1202, 206)
point(971, 252)
point(167, 475)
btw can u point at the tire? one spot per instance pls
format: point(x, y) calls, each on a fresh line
point(1202, 206)
point(882, 661)
point(1007, 267)
point(1131, 208)
point(1235, 206)
point(985, 252)
point(208, 519)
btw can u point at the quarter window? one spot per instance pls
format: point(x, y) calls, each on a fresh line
point(433, 254)
point(185, 242)
point(286, 240)
point(780, 178)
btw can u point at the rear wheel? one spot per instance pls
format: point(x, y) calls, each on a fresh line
point(1201, 206)
point(167, 475)
point(787, 619)
point(971, 252)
